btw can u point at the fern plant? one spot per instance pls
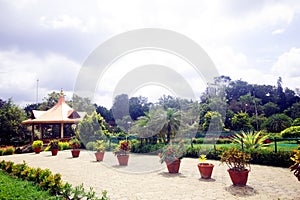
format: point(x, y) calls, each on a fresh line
point(250, 140)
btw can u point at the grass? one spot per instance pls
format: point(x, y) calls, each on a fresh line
point(13, 188)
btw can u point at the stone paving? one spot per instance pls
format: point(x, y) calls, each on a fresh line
point(145, 178)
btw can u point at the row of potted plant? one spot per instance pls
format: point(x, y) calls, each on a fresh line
point(37, 146)
point(121, 151)
point(236, 160)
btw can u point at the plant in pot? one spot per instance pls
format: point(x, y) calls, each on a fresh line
point(171, 155)
point(122, 152)
point(75, 144)
point(54, 147)
point(296, 166)
point(37, 146)
point(100, 148)
point(205, 168)
point(237, 161)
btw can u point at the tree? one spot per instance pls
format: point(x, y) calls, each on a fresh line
point(11, 128)
point(169, 102)
point(277, 123)
point(92, 128)
point(172, 123)
point(138, 106)
point(120, 107)
point(107, 114)
point(293, 111)
point(212, 121)
point(241, 121)
point(50, 101)
point(82, 104)
point(270, 109)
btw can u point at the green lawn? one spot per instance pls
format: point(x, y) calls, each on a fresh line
point(12, 188)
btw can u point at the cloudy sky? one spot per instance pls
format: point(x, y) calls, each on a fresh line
point(256, 41)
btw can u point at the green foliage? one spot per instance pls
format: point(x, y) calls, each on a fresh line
point(123, 148)
point(212, 121)
point(9, 150)
point(91, 146)
point(296, 122)
point(241, 121)
point(235, 159)
point(92, 128)
point(54, 144)
point(74, 143)
point(250, 140)
point(171, 152)
point(278, 122)
point(11, 128)
point(146, 148)
point(48, 182)
point(37, 144)
point(291, 132)
point(63, 145)
point(12, 188)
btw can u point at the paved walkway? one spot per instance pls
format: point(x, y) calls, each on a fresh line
point(145, 178)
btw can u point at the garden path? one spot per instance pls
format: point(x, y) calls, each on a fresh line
point(145, 178)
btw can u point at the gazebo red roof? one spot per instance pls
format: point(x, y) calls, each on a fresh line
point(59, 113)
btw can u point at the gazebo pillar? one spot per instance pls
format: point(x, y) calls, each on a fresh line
point(32, 133)
point(62, 130)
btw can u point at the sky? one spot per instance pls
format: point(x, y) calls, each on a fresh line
point(49, 41)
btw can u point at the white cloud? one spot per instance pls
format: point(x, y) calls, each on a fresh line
point(288, 67)
point(20, 71)
point(278, 31)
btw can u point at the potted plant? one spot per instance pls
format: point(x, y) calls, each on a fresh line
point(54, 147)
point(237, 161)
point(100, 148)
point(37, 146)
point(122, 152)
point(171, 155)
point(296, 166)
point(205, 168)
point(75, 144)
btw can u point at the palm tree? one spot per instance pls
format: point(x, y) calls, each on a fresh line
point(172, 123)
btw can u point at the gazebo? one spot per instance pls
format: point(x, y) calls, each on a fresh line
point(60, 114)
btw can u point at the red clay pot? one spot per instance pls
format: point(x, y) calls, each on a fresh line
point(75, 153)
point(99, 156)
point(37, 150)
point(54, 152)
point(205, 170)
point(173, 166)
point(123, 159)
point(238, 178)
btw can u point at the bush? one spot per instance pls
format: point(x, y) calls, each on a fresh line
point(296, 122)
point(291, 132)
point(91, 146)
point(9, 150)
point(63, 145)
point(146, 148)
point(48, 181)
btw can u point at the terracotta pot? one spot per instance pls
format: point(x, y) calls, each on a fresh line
point(238, 178)
point(173, 166)
point(75, 153)
point(205, 170)
point(54, 152)
point(123, 159)
point(99, 156)
point(37, 150)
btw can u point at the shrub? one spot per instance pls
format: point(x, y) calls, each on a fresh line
point(37, 144)
point(296, 122)
point(1, 151)
point(250, 140)
point(291, 132)
point(9, 150)
point(296, 165)
point(49, 182)
point(277, 122)
point(63, 145)
point(91, 146)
